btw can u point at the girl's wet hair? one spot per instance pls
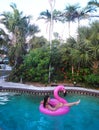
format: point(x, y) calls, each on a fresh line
point(45, 100)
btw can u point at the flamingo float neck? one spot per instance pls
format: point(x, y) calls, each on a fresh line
point(57, 89)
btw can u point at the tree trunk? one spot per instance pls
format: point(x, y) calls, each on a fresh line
point(52, 4)
point(72, 70)
point(69, 28)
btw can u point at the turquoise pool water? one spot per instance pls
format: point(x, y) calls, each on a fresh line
point(21, 112)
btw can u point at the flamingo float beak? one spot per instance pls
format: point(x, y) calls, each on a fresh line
point(64, 91)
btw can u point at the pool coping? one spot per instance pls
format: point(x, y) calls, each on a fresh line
point(35, 90)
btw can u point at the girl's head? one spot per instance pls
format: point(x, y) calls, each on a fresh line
point(46, 99)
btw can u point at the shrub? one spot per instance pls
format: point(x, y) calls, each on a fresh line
point(92, 80)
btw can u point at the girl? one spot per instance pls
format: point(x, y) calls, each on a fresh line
point(46, 104)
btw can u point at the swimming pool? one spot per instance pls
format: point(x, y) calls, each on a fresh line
point(21, 112)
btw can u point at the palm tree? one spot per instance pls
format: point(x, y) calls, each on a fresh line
point(20, 28)
point(52, 4)
point(68, 15)
point(83, 13)
point(46, 15)
point(93, 2)
point(4, 38)
point(4, 41)
point(94, 40)
point(50, 17)
point(73, 12)
point(89, 45)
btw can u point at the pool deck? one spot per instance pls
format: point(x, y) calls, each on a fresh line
point(25, 88)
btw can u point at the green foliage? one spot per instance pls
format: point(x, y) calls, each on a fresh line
point(36, 65)
point(76, 60)
point(20, 28)
point(92, 80)
point(78, 76)
point(15, 75)
point(37, 42)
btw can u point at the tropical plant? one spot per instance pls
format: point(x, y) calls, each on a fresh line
point(83, 13)
point(36, 65)
point(4, 42)
point(20, 28)
point(94, 39)
point(46, 15)
point(93, 2)
point(68, 15)
point(37, 42)
point(92, 80)
point(50, 17)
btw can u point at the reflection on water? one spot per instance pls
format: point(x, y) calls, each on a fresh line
point(52, 122)
point(5, 97)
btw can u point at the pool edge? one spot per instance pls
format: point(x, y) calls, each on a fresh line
point(29, 89)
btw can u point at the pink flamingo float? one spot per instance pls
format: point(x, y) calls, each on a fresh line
point(54, 101)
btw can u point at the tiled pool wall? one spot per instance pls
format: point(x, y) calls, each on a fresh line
point(49, 92)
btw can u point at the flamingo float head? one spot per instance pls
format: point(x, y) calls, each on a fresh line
point(56, 90)
point(60, 88)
